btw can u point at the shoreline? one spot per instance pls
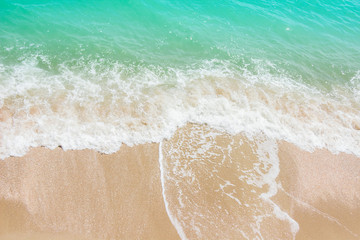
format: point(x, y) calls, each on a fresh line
point(83, 194)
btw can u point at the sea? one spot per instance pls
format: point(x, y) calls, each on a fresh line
point(98, 74)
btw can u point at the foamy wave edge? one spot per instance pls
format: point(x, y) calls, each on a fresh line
point(101, 105)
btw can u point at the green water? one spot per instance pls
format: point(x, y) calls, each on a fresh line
point(96, 74)
point(248, 75)
point(316, 42)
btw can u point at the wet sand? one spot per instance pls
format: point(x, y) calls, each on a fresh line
point(321, 191)
point(56, 194)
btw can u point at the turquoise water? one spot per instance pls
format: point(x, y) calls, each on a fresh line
point(315, 41)
point(99, 65)
point(98, 74)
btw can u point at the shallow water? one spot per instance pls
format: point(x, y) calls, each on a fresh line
point(98, 74)
point(219, 186)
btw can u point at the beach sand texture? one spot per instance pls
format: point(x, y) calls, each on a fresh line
point(166, 120)
point(214, 186)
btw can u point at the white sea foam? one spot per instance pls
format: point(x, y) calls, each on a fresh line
point(206, 172)
point(268, 153)
point(101, 105)
point(173, 219)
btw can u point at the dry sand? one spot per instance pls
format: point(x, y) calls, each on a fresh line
point(56, 194)
point(53, 194)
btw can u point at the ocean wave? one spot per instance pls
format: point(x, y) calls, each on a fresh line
point(101, 105)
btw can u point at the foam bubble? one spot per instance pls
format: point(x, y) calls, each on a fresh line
point(219, 185)
point(173, 219)
point(102, 104)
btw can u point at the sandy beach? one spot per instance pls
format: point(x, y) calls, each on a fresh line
point(82, 194)
point(191, 120)
point(53, 194)
point(321, 191)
